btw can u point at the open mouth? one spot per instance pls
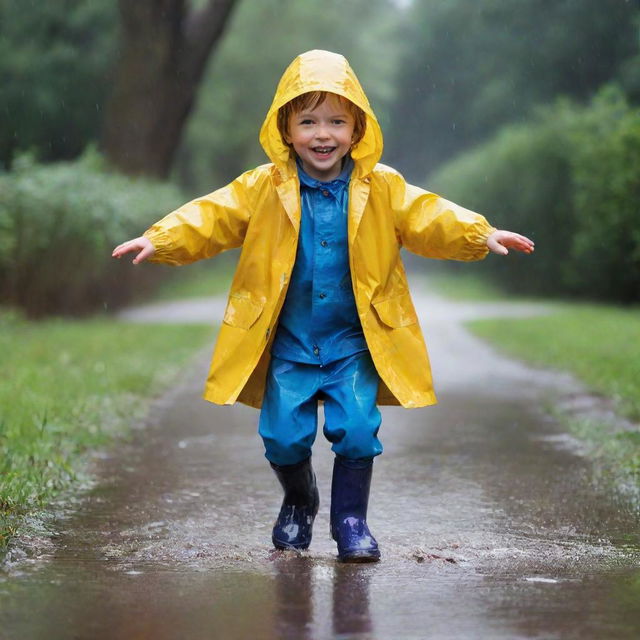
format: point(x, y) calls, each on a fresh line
point(323, 151)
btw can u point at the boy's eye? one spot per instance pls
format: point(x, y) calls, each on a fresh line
point(306, 121)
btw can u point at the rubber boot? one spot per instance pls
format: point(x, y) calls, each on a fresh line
point(349, 501)
point(294, 524)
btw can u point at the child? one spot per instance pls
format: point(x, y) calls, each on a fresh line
point(319, 307)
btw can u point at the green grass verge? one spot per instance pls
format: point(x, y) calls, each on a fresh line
point(600, 345)
point(67, 387)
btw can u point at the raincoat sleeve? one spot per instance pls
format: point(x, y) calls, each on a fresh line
point(205, 226)
point(433, 227)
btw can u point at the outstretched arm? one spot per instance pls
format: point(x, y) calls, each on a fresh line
point(501, 241)
point(141, 245)
point(201, 228)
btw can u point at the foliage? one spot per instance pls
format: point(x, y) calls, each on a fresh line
point(604, 258)
point(567, 179)
point(68, 387)
point(55, 61)
point(58, 225)
point(470, 67)
point(222, 136)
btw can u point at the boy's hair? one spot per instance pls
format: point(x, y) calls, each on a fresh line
point(313, 99)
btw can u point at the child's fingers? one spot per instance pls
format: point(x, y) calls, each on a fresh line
point(141, 245)
point(522, 243)
point(500, 242)
point(516, 241)
point(495, 246)
point(143, 255)
point(125, 247)
point(523, 240)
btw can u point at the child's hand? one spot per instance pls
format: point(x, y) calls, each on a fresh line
point(142, 245)
point(501, 241)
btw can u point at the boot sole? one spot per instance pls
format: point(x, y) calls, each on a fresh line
point(360, 557)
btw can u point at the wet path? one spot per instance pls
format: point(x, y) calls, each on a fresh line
point(491, 524)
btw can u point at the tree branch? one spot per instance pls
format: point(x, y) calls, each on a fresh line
point(202, 29)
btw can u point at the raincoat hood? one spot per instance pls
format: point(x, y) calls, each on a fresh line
point(320, 71)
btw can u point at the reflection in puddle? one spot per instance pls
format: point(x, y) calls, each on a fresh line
point(351, 613)
point(299, 584)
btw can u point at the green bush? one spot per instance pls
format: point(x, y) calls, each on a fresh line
point(604, 257)
point(569, 180)
point(518, 179)
point(58, 225)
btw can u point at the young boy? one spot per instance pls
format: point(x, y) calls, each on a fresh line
point(319, 307)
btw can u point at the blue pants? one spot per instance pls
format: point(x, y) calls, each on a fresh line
point(289, 416)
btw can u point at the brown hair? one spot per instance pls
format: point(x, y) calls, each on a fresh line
point(313, 99)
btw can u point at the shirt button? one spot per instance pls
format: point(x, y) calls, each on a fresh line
point(322, 295)
point(324, 243)
point(325, 192)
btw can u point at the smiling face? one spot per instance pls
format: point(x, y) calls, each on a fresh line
point(322, 136)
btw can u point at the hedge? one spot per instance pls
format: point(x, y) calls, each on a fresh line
point(58, 225)
point(569, 179)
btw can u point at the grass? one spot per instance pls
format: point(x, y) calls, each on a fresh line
point(600, 345)
point(67, 387)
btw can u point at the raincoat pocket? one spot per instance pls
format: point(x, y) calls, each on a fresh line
point(396, 312)
point(242, 311)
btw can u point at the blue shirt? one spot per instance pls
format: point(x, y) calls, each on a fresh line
point(319, 321)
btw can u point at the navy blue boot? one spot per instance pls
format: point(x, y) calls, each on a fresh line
point(293, 526)
point(349, 500)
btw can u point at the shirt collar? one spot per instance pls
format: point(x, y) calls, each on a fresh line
point(340, 181)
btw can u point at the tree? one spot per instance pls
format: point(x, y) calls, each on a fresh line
point(165, 48)
point(55, 60)
point(470, 67)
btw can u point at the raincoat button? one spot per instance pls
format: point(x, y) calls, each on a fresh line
point(324, 243)
point(322, 295)
point(325, 192)
point(316, 351)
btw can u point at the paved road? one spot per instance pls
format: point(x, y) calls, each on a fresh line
point(491, 522)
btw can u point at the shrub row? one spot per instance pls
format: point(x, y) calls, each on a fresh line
point(58, 225)
point(569, 179)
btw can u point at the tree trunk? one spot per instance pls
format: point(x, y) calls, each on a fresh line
point(165, 47)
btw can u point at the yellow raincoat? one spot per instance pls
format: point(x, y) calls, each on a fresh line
point(260, 211)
